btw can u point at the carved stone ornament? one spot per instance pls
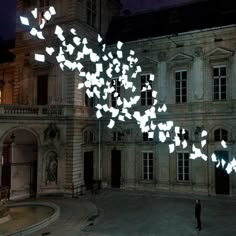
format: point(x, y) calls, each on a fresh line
point(51, 132)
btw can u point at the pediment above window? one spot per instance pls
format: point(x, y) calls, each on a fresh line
point(219, 52)
point(180, 57)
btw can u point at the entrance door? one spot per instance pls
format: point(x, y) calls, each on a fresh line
point(6, 166)
point(42, 90)
point(221, 176)
point(88, 169)
point(115, 168)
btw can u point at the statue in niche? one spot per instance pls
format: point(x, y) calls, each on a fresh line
point(51, 168)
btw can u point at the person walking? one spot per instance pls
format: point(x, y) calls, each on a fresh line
point(198, 214)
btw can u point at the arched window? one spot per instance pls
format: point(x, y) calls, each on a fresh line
point(220, 134)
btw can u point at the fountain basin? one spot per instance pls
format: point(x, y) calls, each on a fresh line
point(28, 217)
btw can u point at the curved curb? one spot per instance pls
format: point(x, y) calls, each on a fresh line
point(40, 224)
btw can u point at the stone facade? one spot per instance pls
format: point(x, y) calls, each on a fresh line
point(52, 142)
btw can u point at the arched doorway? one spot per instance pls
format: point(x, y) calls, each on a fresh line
point(19, 163)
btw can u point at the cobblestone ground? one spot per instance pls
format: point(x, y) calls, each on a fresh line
point(124, 213)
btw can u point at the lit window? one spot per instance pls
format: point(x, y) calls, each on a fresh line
point(181, 86)
point(147, 165)
point(219, 83)
point(220, 134)
point(91, 12)
point(183, 166)
point(116, 94)
point(146, 96)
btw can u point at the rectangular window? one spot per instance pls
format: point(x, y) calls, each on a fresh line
point(181, 86)
point(146, 84)
point(89, 101)
point(219, 83)
point(91, 12)
point(183, 166)
point(148, 166)
point(114, 96)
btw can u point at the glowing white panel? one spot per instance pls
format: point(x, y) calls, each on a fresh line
point(155, 102)
point(87, 84)
point(80, 85)
point(131, 52)
point(110, 55)
point(162, 136)
point(39, 57)
point(35, 13)
point(154, 94)
point(99, 38)
point(223, 162)
point(117, 69)
point(105, 107)
point(177, 141)
point(128, 115)
point(68, 64)
point(60, 58)
point(52, 10)
point(98, 114)
point(184, 144)
point(133, 89)
point(99, 106)
point(103, 47)
point(85, 41)
point(85, 50)
point(58, 30)
point(119, 44)
point(168, 134)
point(121, 118)
point(164, 108)
point(192, 156)
point(177, 129)
point(198, 152)
point(33, 31)
point(203, 143)
point(62, 66)
point(169, 124)
point(99, 67)
point(111, 124)
point(80, 55)
point(61, 37)
point(151, 78)
point(171, 148)
point(204, 157)
point(204, 133)
point(153, 126)
point(114, 112)
point(151, 135)
point(105, 58)
point(24, 20)
point(233, 162)
point(77, 41)
point(70, 49)
point(40, 35)
point(79, 66)
point(73, 31)
point(49, 50)
point(138, 69)
point(43, 22)
point(47, 15)
point(94, 57)
point(229, 168)
point(119, 102)
point(223, 144)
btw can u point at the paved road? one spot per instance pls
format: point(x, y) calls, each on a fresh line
point(144, 214)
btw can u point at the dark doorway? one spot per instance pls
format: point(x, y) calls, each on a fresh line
point(33, 178)
point(42, 90)
point(88, 170)
point(221, 176)
point(6, 166)
point(115, 168)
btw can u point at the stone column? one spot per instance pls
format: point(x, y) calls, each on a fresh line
point(198, 80)
point(162, 78)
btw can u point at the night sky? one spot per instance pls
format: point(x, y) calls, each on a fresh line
point(8, 15)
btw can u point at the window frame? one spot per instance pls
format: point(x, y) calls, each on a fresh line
point(221, 130)
point(146, 96)
point(148, 174)
point(181, 80)
point(91, 12)
point(220, 78)
point(183, 179)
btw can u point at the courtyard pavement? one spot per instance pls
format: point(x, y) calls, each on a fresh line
point(131, 213)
